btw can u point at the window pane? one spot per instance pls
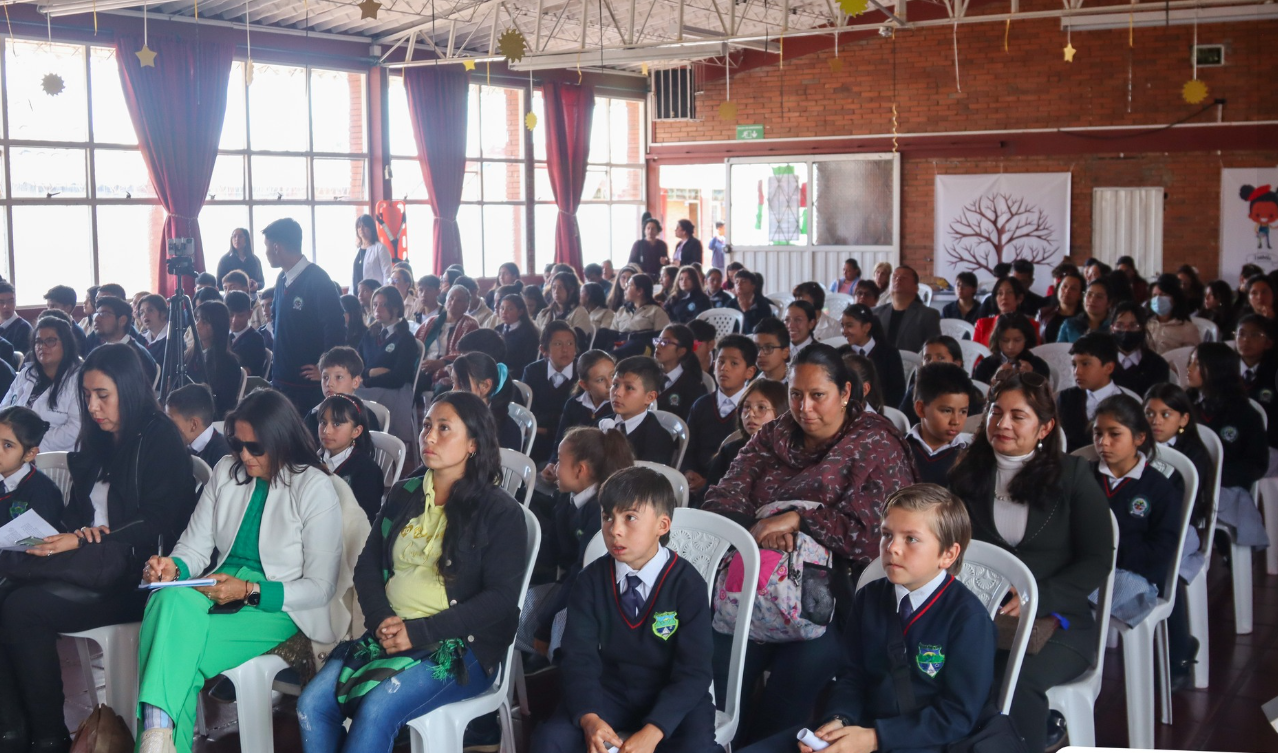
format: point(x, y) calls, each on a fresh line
point(503, 181)
point(596, 184)
point(111, 122)
point(277, 108)
point(35, 115)
point(337, 111)
point(502, 113)
point(599, 132)
point(504, 234)
point(127, 239)
point(626, 130)
point(339, 179)
point(33, 274)
point(406, 180)
point(402, 143)
point(778, 221)
point(627, 184)
point(541, 184)
point(265, 214)
point(216, 224)
point(419, 246)
point(4, 264)
point(227, 183)
point(544, 217)
point(625, 231)
point(121, 175)
point(539, 134)
point(279, 177)
point(37, 173)
point(472, 122)
point(335, 240)
point(470, 224)
point(852, 202)
point(234, 123)
point(594, 221)
point(470, 182)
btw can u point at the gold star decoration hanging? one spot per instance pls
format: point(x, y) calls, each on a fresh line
point(1069, 52)
point(728, 110)
point(468, 65)
point(248, 73)
point(643, 68)
point(512, 45)
point(1194, 92)
point(530, 120)
point(854, 7)
point(368, 9)
point(146, 57)
point(52, 84)
point(836, 65)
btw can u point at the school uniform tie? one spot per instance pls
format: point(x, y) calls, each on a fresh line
point(631, 599)
point(1249, 376)
point(906, 611)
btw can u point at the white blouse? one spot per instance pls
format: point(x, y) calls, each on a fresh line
point(1010, 517)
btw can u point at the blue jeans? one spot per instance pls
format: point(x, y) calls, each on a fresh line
point(383, 710)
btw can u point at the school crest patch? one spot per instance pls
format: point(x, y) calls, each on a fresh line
point(17, 508)
point(390, 348)
point(1229, 434)
point(674, 400)
point(297, 304)
point(664, 624)
point(1139, 507)
point(930, 659)
point(1266, 396)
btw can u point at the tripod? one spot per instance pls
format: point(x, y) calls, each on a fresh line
point(173, 371)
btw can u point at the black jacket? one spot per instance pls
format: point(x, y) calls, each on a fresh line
point(250, 265)
point(484, 582)
point(250, 348)
point(396, 351)
point(547, 404)
point(1071, 411)
point(1151, 370)
point(706, 432)
point(523, 346)
point(1239, 426)
point(690, 252)
point(951, 311)
point(224, 381)
point(722, 460)
point(215, 450)
point(891, 371)
point(564, 548)
point(575, 414)
point(684, 307)
point(18, 334)
point(650, 441)
point(1261, 389)
point(35, 491)
point(362, 474)
point(679, 397)
point(760, 309)
point(1148, 511)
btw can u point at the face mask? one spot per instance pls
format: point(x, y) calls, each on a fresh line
point(1161, 305)
point(1129, 341)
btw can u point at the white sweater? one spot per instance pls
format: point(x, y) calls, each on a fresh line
point(300, 538)
point(64, 420)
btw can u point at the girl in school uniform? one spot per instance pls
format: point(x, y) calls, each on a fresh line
point(49, 383)
point(518, 332)
point(390, 362)
point(674, 351)
point(714, 416)
point(551, 380)
point(641, 313)
point(22, 487)
point(346, 447)
point(1010, 342)
point(589, 402)
point(1142, 499)
point(764, 401)
point(595, 301)
point(689, 299)
point(565, 300)
point(479, 374)
point(865, 336)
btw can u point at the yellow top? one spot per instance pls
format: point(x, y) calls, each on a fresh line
point(416, 589)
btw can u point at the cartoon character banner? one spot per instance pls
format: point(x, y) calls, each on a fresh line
point(1248, 219)
point(985, 220)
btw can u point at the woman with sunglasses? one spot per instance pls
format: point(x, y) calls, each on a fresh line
point(132, 491)
point(437, 581)
point(273, 488)
point(48, 383)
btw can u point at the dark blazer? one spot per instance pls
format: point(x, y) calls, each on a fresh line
point(1148, 533)
point(1071, 411)
point(156, 349)
point(365, 479)
point(706, 432)
point(484, 581)
point(1068, 547)
point(891, 371)
point(396, 351)
point(92, 342)
point(650, 441)
point(1238, 425)
point(951, 311)
point(215, 450)
point(722, 460)
point(919, 323)
point(18, 334)
point(721, 299)
point(759, 310)
point(1261, 389)
point(547, 405)
point(35, 491)
point(522, 346)
point(690, 252)
point(679, 397)
point(1151, 370)
point(250, 348)
point(564, 548)
point(683, 308)
point(575, 414)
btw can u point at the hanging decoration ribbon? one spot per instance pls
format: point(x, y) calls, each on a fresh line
point(957, 83)
point(146, 56)
point(1194, 91)
point(1007, 29)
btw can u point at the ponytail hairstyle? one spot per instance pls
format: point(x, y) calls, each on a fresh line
point(587, 361)
point(869, 374)
point(686, 340)
point(604, 452)
point(1129, 412)
point(27, 426)
point(483, 471)
point(343, 409)
point(862, 313)
point(472, 368)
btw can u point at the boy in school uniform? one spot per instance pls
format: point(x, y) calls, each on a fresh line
point(551, 380)
point(714, 416)
point(919, 620)
point(635, 384)
point(191, 408)
point(942, 398)
point(637, 645)
point(341, 373)
point(1259, 366)
point(246, 343)
point(1095, 356)
point(13, 328)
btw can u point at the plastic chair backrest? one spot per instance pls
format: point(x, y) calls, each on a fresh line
point(1059, 361)
point(517, 470)
point(988, 572)
point(708, 382)
point(54, 465)
point(702, 538)
point(1105, 600)
point(679, 430)
point(256, 383)
point(1264, 417)
point(527, 424)
point(379, 410)
point(388, 453)
point(200, 470)
point(1167, 459)
point(781, 300)
point(1208, 332)
point(725, 321)
point(266, 366)
point(836, 302)
point(982, 387)
point(925, 294)
point(958, 329)
point(244, 377)
point(417, 371)
point(972, 351)
point(973, 423)
point(910, 362)
point(525, 393)
point(1215, 451)
point(1131, 393)
point(1178, 360)
point(677, 480)
point(897, 418)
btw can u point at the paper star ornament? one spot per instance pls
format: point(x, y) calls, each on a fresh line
point(1194, 92)
point(468, 65)
point(836, 65)
point(854, 7)
point(52, 84)
point(512, 45)
point(1069, 52)
point(530, 121)
point(368, 9)
point(146, 57)
point(728, 110)
point(248, 73)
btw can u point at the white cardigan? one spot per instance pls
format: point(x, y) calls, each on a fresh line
point(64, 420)
point(300, 541)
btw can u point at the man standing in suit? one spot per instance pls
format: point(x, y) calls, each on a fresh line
point(908, 322)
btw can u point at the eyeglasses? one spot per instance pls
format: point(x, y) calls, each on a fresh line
point(661, 341)
point(48, 342)
point(254, 448)
point(767, 350)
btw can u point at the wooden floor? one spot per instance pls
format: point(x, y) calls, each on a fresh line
point(1224, 717)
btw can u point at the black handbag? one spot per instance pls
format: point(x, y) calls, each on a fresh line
point(93, 566)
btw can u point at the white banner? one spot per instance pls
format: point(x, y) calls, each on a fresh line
point(984, 220)
point(1248, 217)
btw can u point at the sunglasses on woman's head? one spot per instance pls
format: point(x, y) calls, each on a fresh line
point(254, 448)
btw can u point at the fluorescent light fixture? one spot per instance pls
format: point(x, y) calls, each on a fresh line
point(1231, 13)
point(623, 56)
point(56, 10)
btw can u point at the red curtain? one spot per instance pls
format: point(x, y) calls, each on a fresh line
point(437, 98)
point(177, 109)
point(569, 110)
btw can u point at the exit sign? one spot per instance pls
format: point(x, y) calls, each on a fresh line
point(749, 132)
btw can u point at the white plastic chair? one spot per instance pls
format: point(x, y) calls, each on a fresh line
point(219, 427)
point(678, 429)
point(982, 386)
point(958, 329)
point(54, 465)
point(836, 302)
point(972, 351)
point(244, 375)
point(518, 470)
point(1208, 332)
point(1131, 394)
point(1196, 589)
point(379, 410)
point(677, 480)
point(525, 393)
point(445, 726)
point(119, 645)
point(256, 383)
point(1059, 361)
point(201, 471)
point(782, 300)
point(1241, 556)
point(266, 366)
point(1178, 360)
point(702, 538)
point(910, 362)
point(988, 572)
point(834, 342)
point(925, 294)
point(725, 321)
point(388, 453)
point(1076, 700)
point(708, 382)
point(527, 424)
point(897, 418)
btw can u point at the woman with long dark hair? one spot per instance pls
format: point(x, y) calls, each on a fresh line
point(217, 366)
point(1094, 317)
point(617, 293)
point(565, 303)
point(750, 301)
point(649, 253)
point(1028, 497)
point(689, 298)
point(353, 310)
point(131, 491)
point(372, 258)
point(390, 360)
point(49, 382)
point(478, 374)
point(507, 275)
point(641, 312)
point(1218, 307)
point(273, 488)
point(517, 331)
point(437, 581)
point(240, 256)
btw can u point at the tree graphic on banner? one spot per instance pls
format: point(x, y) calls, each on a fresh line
point(999, 228)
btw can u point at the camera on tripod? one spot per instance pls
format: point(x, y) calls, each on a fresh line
point(181, 259)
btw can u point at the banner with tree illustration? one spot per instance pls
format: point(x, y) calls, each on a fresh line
point(984, 220)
